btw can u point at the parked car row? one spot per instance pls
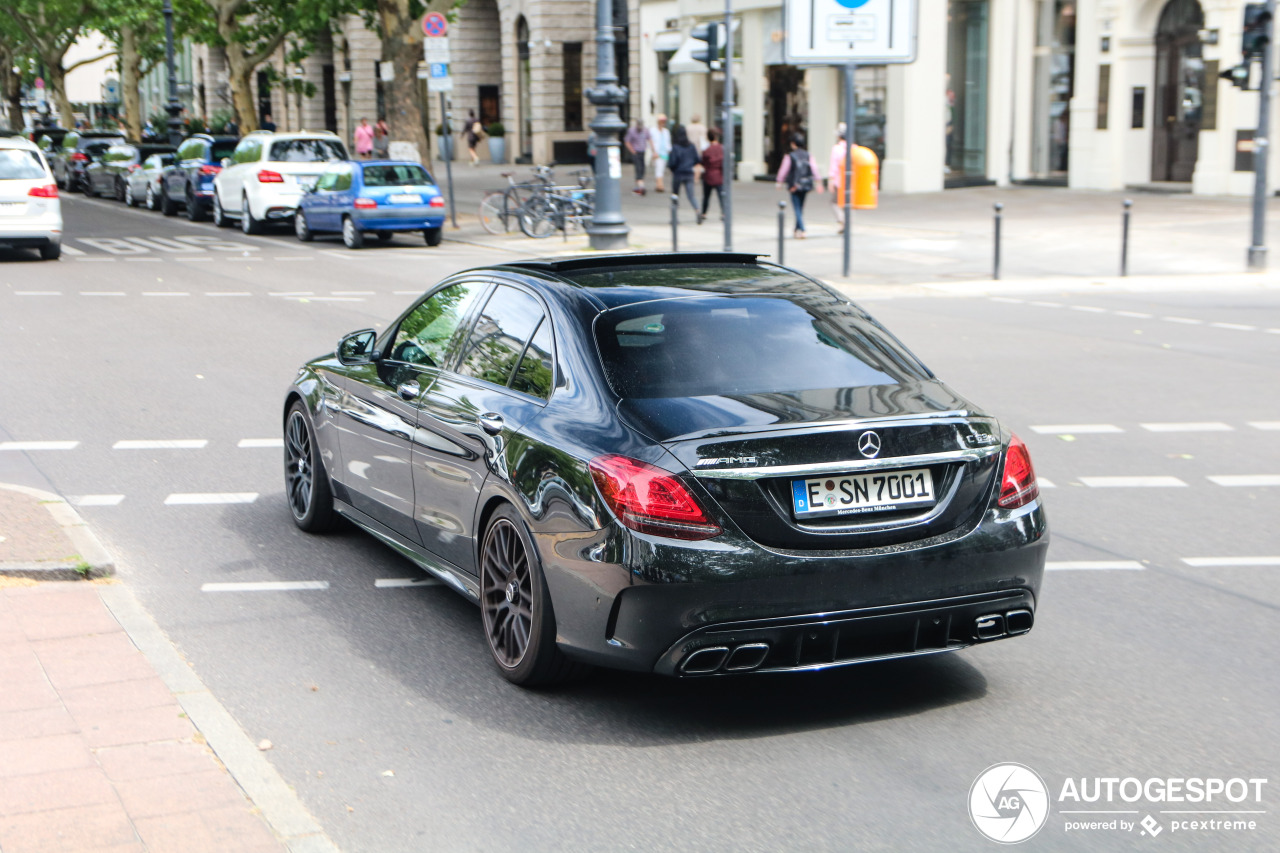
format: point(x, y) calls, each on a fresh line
point(304, 180)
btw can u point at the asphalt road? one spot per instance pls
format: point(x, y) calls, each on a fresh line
point(1142, 664)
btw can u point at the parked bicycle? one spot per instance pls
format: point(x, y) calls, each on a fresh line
point(564, 209)
point(500, 209)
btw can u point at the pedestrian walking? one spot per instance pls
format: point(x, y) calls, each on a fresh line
point(835, 175)
point(637, 142)
point(231, 128)
point(799, 175)
point(364, 139)
point(713, 172)
point(697, 133)
point(267, 123)
point(660, 142)
point(473, 133)
point(682, 159)
point(381, 139)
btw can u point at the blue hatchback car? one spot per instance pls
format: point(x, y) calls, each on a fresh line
point(381, 197)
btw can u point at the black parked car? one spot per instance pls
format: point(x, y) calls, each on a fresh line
point(188, 183)
point(686, 464)
point(78, 149)
point(109, 176)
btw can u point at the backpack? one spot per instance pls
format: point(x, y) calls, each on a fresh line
point(801, 172)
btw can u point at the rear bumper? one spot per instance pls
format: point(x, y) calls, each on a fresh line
point(400, 220)
point(45, 231)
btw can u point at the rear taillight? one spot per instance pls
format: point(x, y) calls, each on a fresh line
point(210, 170)
point(436, 201)
point(649, 499)
point(46, 191)
point(266, 176)
point(1018, 487)
point(135, 167)
point(365, 203)
point(80, 157)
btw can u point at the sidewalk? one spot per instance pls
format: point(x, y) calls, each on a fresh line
point(98, 750)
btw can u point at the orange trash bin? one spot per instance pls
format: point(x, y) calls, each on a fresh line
point(866, 180)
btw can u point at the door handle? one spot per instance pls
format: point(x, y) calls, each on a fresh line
point(409, 390)
point(490, 422)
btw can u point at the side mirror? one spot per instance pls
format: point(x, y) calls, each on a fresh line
point(357, 347)
point(226, 161)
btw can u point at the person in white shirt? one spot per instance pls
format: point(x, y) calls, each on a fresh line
point(697, 133)
point(835, 175)
point(660, 144)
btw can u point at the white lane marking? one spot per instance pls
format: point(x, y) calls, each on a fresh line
point(1075, 429)
point(1045, 484)
point(1046, 304)
point(37, 293)
point(93, 260)
point(72, 251)
point(1089, 309)
point(189, 498)
point(1246, 480)
point(1184, 320)
point(292, 293)
point(334, 253)
point(1132, 482)
point(407, 292)
point(144, 260)
point(102, 293)
point(1273, 331)
point(354, 293)
point(195, 258)
point(38, 445)
point(391, 583)
point(165, 292)
point(228, 293)
point(1118, 565)
point(264, 586)
point(261, 442)
point(321, 298)
point(1213, 562)
point(161, 444)
point(1202, 426)
point(292, 258)
point(1137, 315)
point(1239, 327)
point(1007, 300)
point(1269, 425)
point(97, 500)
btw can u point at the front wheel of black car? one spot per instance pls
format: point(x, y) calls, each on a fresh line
point(306, 483)
point(515, 607)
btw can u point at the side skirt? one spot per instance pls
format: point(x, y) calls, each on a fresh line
point(451, 575)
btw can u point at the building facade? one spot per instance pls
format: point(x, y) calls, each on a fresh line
point(1092, 94)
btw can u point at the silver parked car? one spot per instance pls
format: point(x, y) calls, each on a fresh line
point(143, 184)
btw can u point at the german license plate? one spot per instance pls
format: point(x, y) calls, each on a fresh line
point(12, 208)
point(854, 494)
point(406, 198)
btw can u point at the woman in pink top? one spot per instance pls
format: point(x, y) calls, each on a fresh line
point(799, 174)
point(364, 139)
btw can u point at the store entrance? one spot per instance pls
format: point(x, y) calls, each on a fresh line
point(785, 104)
point(1179, 92)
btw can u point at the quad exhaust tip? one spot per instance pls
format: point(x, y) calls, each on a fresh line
point(742, 658)
point(993, 626)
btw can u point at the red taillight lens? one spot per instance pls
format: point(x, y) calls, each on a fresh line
point(80, 157)
point(365, 203)
point(266, 176)
point(1019, 485)
point(135, 167)
point(46, 191)
point(436, 201)
point(649, 499)
point(210, 170)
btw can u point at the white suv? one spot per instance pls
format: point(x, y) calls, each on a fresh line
point(30, 211)
point(267, 175)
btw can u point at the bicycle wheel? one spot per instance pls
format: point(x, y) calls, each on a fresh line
point(538, 218)
point(493, 212)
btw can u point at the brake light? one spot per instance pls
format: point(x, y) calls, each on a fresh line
point(46, 191)
point(1018, 487)
point(135, 167)
point(80, 157)
point(650, 500)
point(266, 176)
point(210, 170)
point(363, 203)
point(436, 201)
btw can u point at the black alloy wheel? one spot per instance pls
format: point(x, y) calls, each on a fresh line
point(306, 483)
point(515, 607)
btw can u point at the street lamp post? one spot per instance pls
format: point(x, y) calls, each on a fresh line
point(608, 230)
point(173, 108)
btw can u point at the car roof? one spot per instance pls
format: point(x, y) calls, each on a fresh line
point(296, 134)
point(364, 163)
point(18, 142)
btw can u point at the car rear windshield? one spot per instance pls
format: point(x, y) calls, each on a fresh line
point(725, 345)
point(97, 149)
point(307, 151)
point(222, 149)
point(398, 175)
point(18, 164)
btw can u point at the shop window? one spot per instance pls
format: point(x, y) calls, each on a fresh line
point(573, 85)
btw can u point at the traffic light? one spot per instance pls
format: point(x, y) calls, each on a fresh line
point(709, 33)
point(1237, 75)
point(1256, 30)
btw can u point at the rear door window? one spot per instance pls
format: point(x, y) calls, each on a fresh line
point(406, 174)
point(17, 164)
point(499, 335)
point(221, 149)
point(306, 151)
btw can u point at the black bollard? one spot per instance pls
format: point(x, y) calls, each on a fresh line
point(782, 227)
point(996, 261)
point(1124, 239)
point(675, 205)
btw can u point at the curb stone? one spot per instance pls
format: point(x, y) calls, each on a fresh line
point(91, 550)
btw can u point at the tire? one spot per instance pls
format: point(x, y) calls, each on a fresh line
point(493, 213)
point(538, 218)
point(306, 483)
point(248, 224)
point(152, 203)
point(300, 229)
point(433, 236)
point(167, 205)
point(352, 237)
point(515, 607)
point(195, 209)
point(121, 190)
point(385, 236)
point(129, 197)
point(88, 189)
point(50, 251)
point(220, 217)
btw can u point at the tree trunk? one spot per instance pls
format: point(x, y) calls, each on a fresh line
point(10, 90)
point(130, 77)
point(402, 47)
point(57, 84)
point(239, 76)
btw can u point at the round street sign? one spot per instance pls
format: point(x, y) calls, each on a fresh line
point(434, 24)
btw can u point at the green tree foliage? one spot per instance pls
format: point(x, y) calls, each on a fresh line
point(47, 29)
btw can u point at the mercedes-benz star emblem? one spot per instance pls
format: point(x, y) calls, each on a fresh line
point(869, 444)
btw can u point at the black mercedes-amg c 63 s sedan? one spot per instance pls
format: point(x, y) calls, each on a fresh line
point(690, 464)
